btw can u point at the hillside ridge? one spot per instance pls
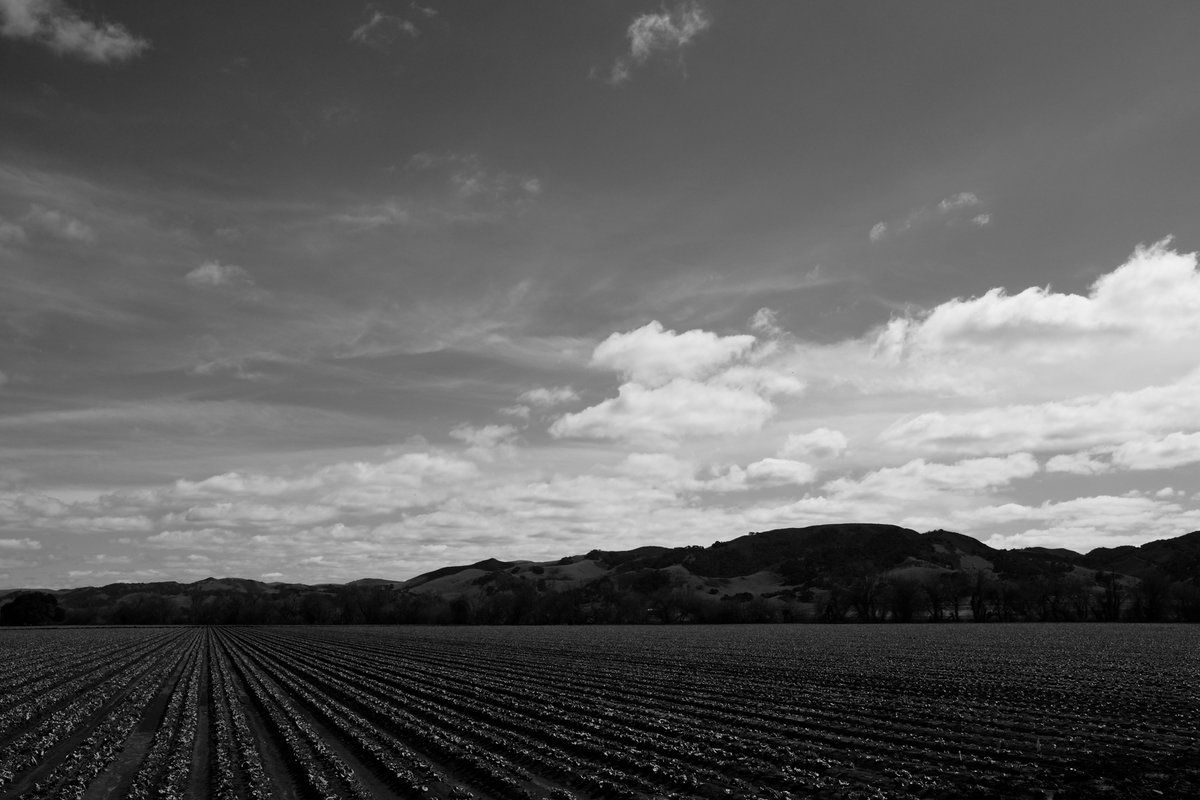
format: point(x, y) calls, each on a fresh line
point(829, 572)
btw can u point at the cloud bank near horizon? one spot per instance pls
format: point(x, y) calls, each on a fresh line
point(709, 434)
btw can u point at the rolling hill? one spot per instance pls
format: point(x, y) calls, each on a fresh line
point(842, 572)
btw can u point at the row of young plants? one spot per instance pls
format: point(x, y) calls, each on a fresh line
point(553, 740)
point(166, 766)
point(37, 683)
point(800, 721)
point(100, 707)
point(381, 732)
point(647, 742)
point(105, 717)
point(309, 755)
point(238, 771)
point(533, 714)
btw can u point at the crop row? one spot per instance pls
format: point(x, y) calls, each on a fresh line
point(621, 714)
point(98, 708)
point(98, 724)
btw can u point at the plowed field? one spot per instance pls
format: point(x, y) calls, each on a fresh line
point(645, 712)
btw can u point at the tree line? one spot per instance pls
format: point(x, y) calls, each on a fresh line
point(655, 596)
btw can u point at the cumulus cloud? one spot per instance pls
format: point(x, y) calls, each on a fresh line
point(549, 397)
point(766, 322)
point(1176, 449)
point(653, 356)
point(542, 398)
point(680, 408)
point(878, 231)
point(819, 443)
point(919, 477)
point(681, 475)
point(487, 441)
point(1075, 424)
point(664, 35)
point(960, 200)
point(677, 385)
point(1085, 522)
point(762, 474)
point(1155, 293)
point(213, 273)
point(1057, 371)
point(1082, 463)
point(1173, 450)
point(54, 24)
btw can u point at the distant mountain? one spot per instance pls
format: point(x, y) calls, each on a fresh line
point(844, 572)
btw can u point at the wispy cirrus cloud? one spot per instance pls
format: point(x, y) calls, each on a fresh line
point(661, 35)
point(54, 24)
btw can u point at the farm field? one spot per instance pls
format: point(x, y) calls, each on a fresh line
point(606, 712)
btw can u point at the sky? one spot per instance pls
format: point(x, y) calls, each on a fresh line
point(310, 291)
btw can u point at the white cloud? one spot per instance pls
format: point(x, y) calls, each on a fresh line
point(487, 436)
point(766, 322)
point(761, 380)
point(1073, 424)
point(1173, 450)
point(1082, 463)
point(1057, 371)
point(653, 356)
point(665, 33)
point(680, 475)
point(678, 385)
point(919, 477)
point(212, 273)
point(1156, 293)
point(355, 487)
point(780, 472)
point(58, 26)
point(960, 200)
point(549, 397)
point(488, 441)
point(1085, 522)
point(680, 408)
point(659, 468)
point(819, 443)
point(878, 231)
point(981, 219)
point(542, 398)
